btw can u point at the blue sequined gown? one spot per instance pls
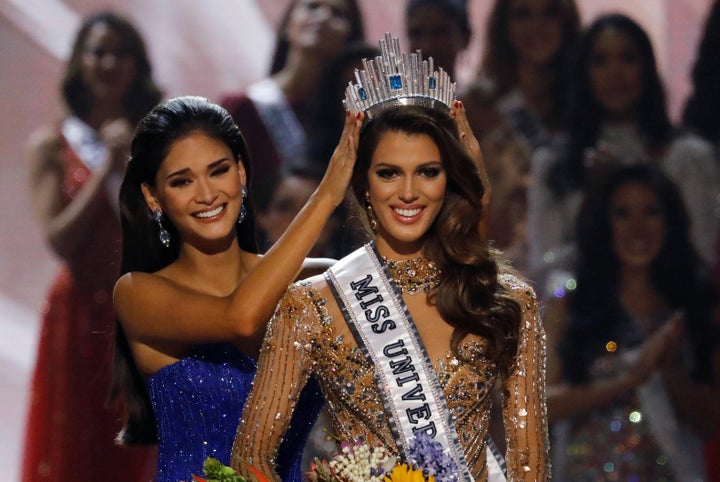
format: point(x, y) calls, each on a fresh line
point(198, 402)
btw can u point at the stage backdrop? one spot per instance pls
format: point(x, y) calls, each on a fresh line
point(203, 48)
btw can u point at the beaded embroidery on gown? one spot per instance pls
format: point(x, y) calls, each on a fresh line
point(304, 339)
point(197, 403)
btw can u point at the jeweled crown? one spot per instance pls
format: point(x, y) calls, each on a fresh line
point(394, 78)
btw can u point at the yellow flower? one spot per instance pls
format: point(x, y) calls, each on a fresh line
point(403, 473)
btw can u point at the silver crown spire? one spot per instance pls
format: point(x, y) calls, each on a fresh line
point(394, 78)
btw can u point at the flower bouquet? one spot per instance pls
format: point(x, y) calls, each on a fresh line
point(215, 471)
point(363, 463)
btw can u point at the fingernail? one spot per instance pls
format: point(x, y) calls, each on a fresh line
point(359, 114)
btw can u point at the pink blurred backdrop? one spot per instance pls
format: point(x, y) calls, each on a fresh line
point(204, 48)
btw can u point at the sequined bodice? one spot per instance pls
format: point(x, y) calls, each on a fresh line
point(304, 340)
point(348, 381)
point(197, 403)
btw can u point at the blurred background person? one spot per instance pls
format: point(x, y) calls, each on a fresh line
point(630, 349)
point(701, 113)
point(616, 114)
point(527, 44)
point(76, 166)
point(325, 112)
point(516, 104)
point(289, 194)
point(273, 113)
point(440, 29)
point(702, 108)
point(324, 125)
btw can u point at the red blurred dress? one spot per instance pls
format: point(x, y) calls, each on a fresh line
point(70, 429)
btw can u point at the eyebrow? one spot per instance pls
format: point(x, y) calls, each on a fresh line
point(424, 164)
point(210, 166)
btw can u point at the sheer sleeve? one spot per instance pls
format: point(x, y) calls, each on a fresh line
point(283, 370)
point(524, 408)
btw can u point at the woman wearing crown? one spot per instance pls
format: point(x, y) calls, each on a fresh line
point(408, 334)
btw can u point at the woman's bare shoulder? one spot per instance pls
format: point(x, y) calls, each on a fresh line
point(42, 147)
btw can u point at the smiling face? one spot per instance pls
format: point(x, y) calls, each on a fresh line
point(406, 186)
point(535, 30)
point(319, 25)
point(199, 188)
point(107, 65)
point(615, 72)
point(638, 225)
point(437, 33)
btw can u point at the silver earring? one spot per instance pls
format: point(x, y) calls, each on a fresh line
point(371, 214)
point(243, 209)
point(163, 233)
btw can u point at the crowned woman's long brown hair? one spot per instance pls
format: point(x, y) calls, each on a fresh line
point(469, 296)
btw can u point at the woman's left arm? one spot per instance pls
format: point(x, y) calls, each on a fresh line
point(283, 370)
point(525, 410)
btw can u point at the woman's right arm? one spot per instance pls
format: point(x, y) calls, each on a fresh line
point(267, 281)
point(155, 310)
point(67, 226)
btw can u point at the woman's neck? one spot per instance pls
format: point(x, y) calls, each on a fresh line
point(638, 293)
point(103, 111)
point(535, 84)
point(214, 272)
point(396, 250)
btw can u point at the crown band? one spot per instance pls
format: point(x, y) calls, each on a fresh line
point(394, 79)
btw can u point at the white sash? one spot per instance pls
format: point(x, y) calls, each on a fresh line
point(282, 124)
point(681, 445)
point(383, 328)
point(90, 149)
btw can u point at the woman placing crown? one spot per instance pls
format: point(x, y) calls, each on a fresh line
point(409, 334)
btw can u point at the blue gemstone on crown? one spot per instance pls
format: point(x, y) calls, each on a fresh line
point(395, 82)
point(432, 82)
point(362, 94)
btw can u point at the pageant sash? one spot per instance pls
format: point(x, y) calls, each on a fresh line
point(683, 448)
point(383, 328)
point(93, 153)
point(282, 124)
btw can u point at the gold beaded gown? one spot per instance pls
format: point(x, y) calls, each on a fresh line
point(309, 336)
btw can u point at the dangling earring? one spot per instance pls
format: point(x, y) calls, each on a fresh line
point(371, 214)
point(163, 233)
point(243, 209)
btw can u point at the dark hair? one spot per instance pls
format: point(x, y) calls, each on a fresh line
point(499, 62)
point(469, 296)
point(677, 273)
point(585, 114)
point(458, 9)
point(282, 45)
point(155, 135)
point(702, 110)
point(142, 95)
